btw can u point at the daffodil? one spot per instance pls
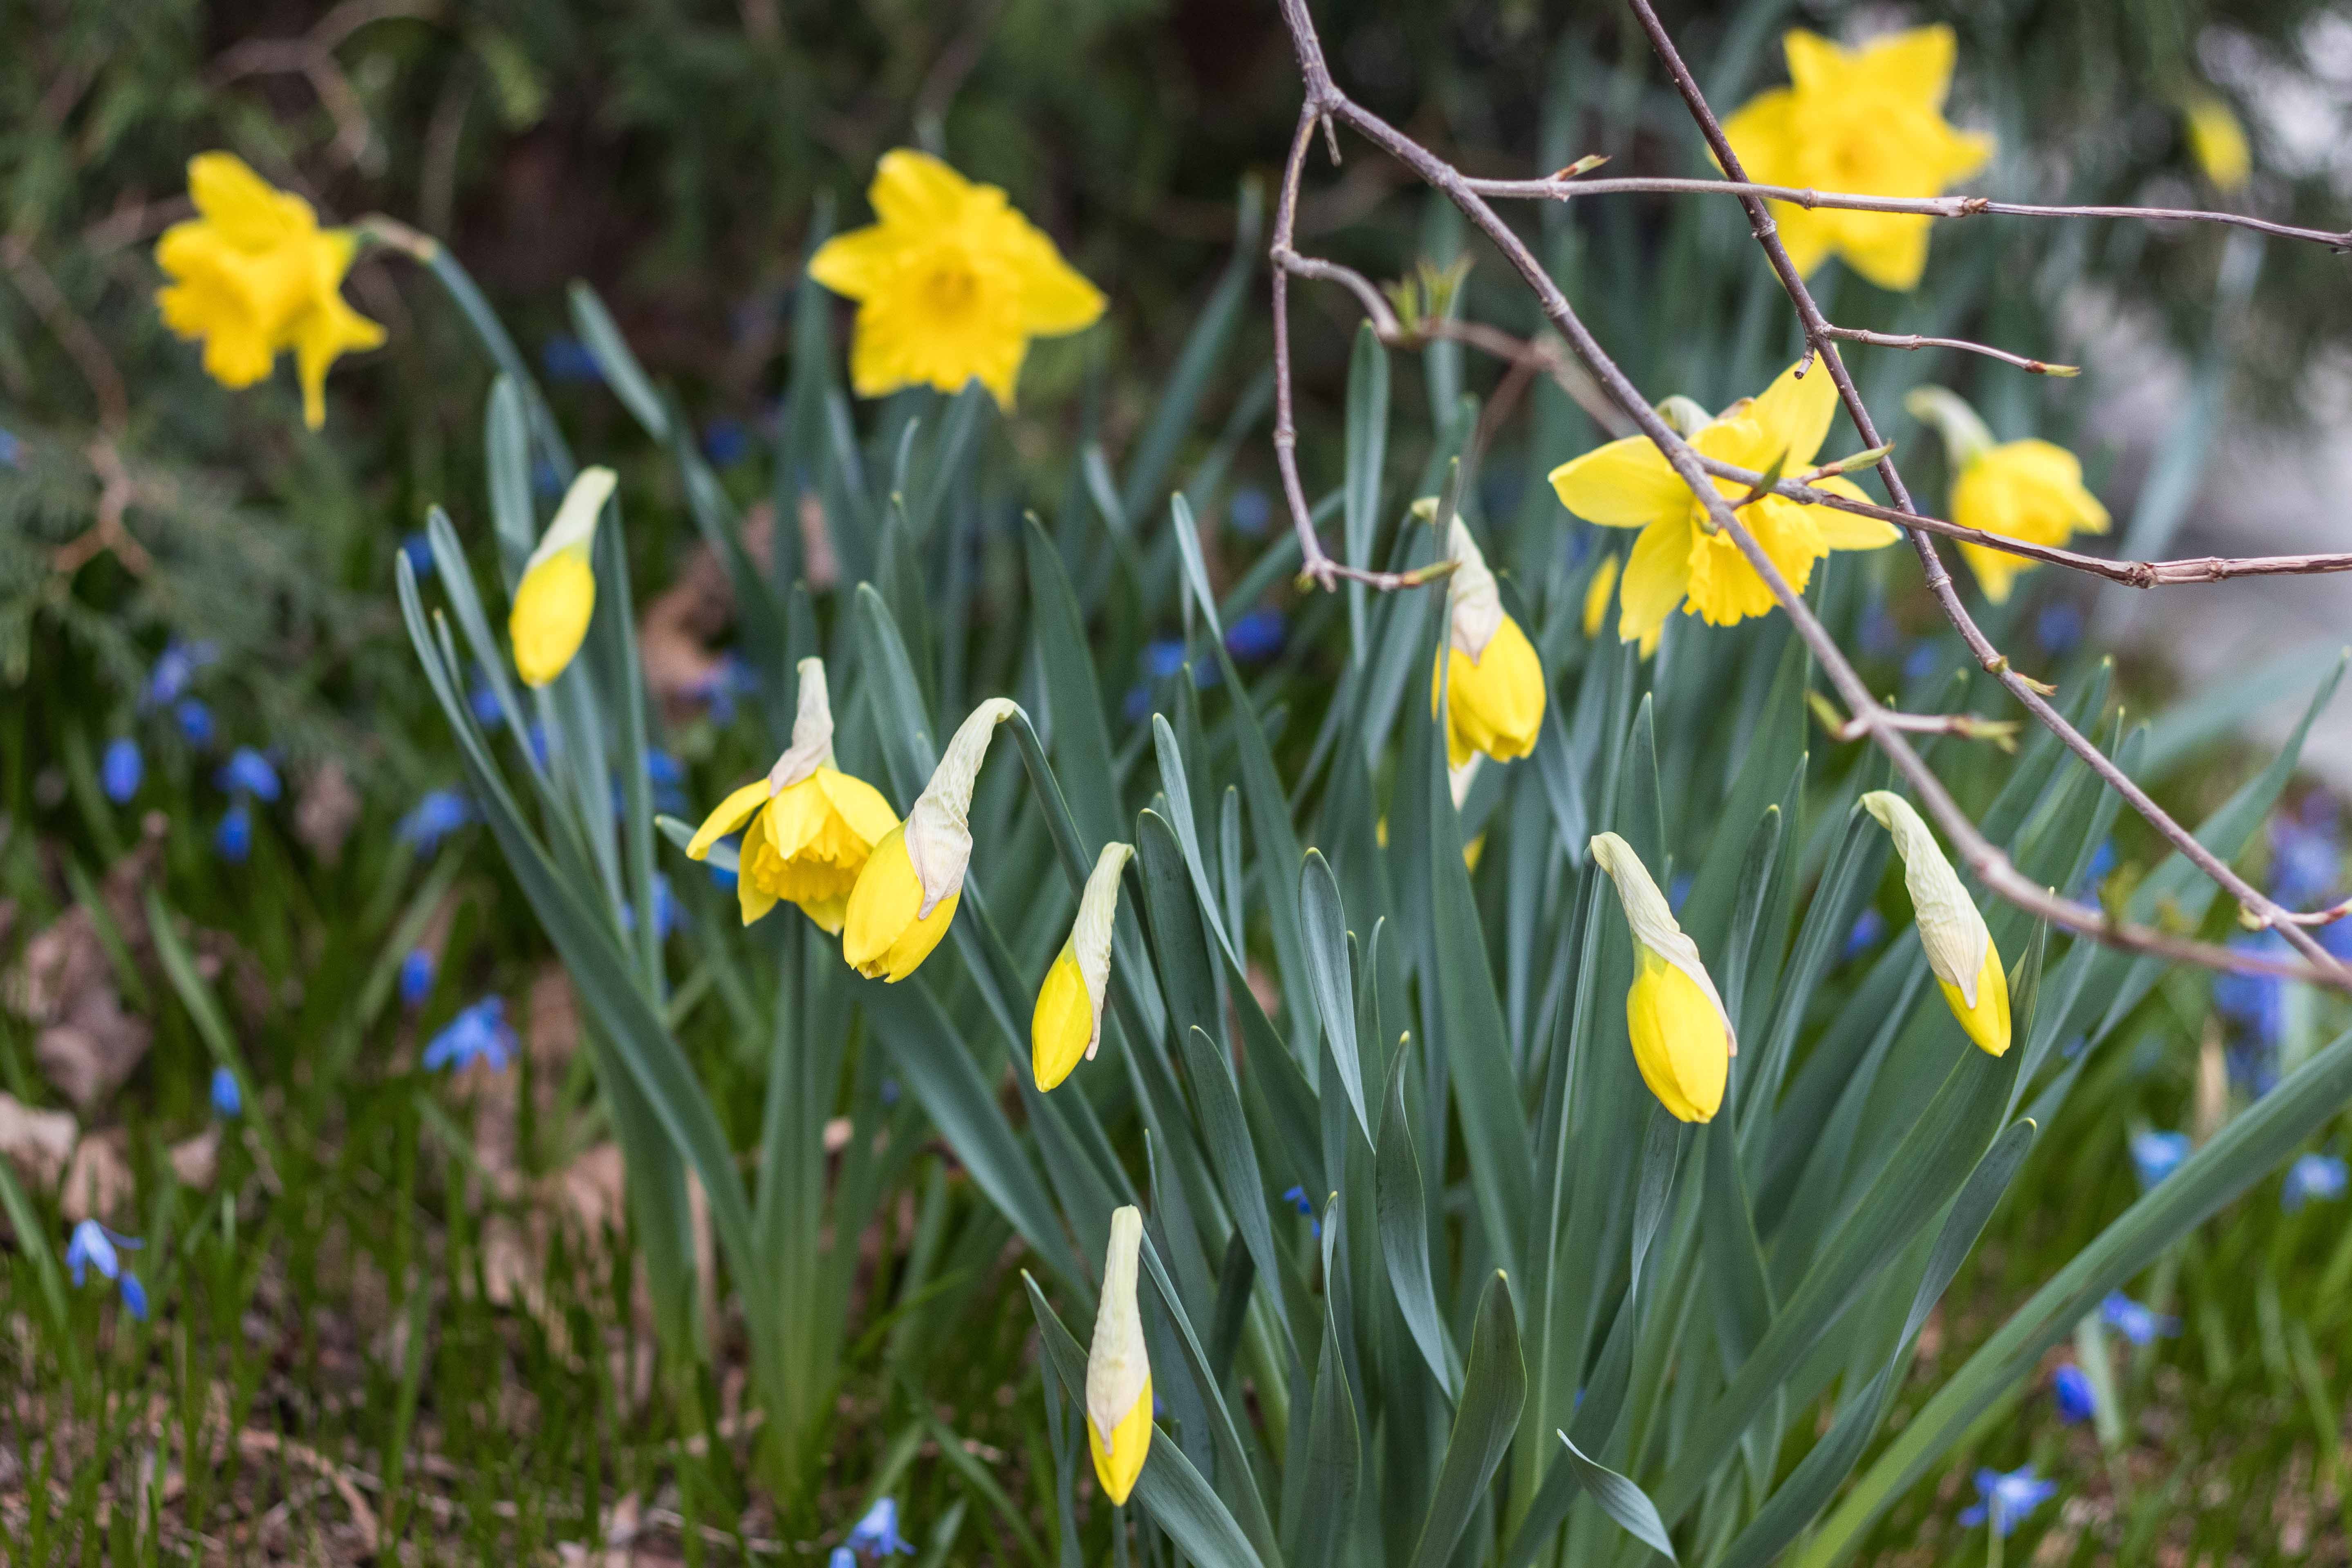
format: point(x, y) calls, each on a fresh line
point(1681, 558)
point(1681, 1037)
point(1487, 675)
point(254, 275)
point(557, 595)
point(2217, 141)
point(908, 892)
point(808, 826)
point(2028, 490)
point(1596, 594)
point(1865, 122)
point(1960, 951)
point(950, 283)
point(1119, 1371)
point(1067, 1023)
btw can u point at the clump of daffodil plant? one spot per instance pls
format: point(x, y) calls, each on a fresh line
point(1067, 1022)
point(2031, 490)
point(1681, 1037)
point(808, 826)
point(557, 595)
point(1119, 1368)
point(907, 894)
point(1960, 950)
point(1487, 675)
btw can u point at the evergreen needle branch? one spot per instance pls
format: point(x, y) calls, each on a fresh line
point(2258, 907)
point(1324, 100)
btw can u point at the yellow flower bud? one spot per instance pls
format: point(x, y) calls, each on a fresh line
point(557, 595)
point(1487, 675)
point(1681, 1037)
point(905, 895)
point(2028, 490)
point(1119, 1370)
point(1960, 950)
point(2217, 141)
point(1067, 1023)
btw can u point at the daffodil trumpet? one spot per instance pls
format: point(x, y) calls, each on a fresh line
point(907, 894)
point(1067, 1023)
point(1488, 680)
point(1681, 1037)
point(1960, 951)
point(557, 595)
point(2031, 490)
point(808, 826)
point(1119, 1368)
point(1681, 558)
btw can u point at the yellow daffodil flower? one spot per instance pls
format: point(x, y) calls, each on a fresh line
point(1067, 1023)
point(907, 895)
point(1487, 675)
point(1681, 1037)
point(2027, 490)
point(2217, 141)
point(1680, 558)
point(1596, 595)
point(1960, 953)
point(1865, 122)
point(1119, 1370)
point(950, 284)
point(254, 275)
point(557, 595)
point(810, 826)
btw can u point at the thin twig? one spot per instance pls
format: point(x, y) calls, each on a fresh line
point(1989, 863)
point(1917, 340)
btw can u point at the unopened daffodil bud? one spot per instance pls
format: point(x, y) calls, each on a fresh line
point(1960, 951)
point(2032, 490)
point(808, 826)
point(908, 892)
point(1681, 1037)
point(1119, 1370)
point(557, 595)
point(1067, 1023)
point(1596, 596)
point(1487, 674)
point(2217, 141)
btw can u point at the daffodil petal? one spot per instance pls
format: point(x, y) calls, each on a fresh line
point(1625, 484)
point(1658, 574)
point(731, 815)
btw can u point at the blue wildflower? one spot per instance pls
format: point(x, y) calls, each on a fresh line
point(418, 548)
point(2077, 1399)
point(1297, 1197)
point(566, 358)
point(2095, 874)
point(1256, 636)
point(669, 915)
point(2139, 1325)
point(2321, 1177)
point(1679, 890)
point(2305, 855)
point(12, 451)
point(1137, 704)
point(843, 1557)
point(2155, 1155)
point(546, 481)
point(2007, 1499)
point(541, 748)
point(726, 442)
point(482, 702)
point(233, 836)
point(876, 1536)
point(1162, 657)
point(416, 973)
point(1878, 636)
point(437, 814)
point(2059, 626)
point(722, 876)
point(2256, 1004)
point(168, 678)
point(1868, 926)
point(1250, 511)
point(227, 1098)
point(728, 680)
point(666, 774)
point(247, 772)
point(478, 1032)
point(2336, 937)
point(889, 1092)
point(195, 721)
point(92, 1246)
point(119, 771)
point(1923, 661)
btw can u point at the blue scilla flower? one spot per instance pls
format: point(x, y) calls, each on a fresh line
point(247, 772)
point(169, 677)
point(876, 1536)
point(2305, 856)
point(2155, 1155)
point(1868, 926)
point(729, 681)
point(482, 702)
point(121, 769)
point(726, 442)
point(2256, 1004)
point(1679, 890)
point(2059, 626)
point(2005, 1499)
point(842, 1557)
point(438, 814)
point(418, 548)
point(666, 774)
point(1297, 1197)
point(1923, 661)
point(1162, 657)
point(566, 358)
point(1878, 636)
point(1137, 704)
point(233, 837)
point(722, 876)
point(2095, 874)
point(2139, 1325)
point(478, 1032)
point(92, 1246)
point(1250, 511)
point(195, 721)
point(12, 451)
point(2077, 1401)
point(2336, 937)
point(416, 977)
point(2320, 1176)
point(546, 479)
point(1256, 636)
point(668, 915)
point(227, 1098)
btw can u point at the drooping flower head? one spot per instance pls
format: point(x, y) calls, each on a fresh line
point(1867, 122)
point(1487, 675)
point(2140, 1324)
point(232, 838)
point(1681, 558)
point(1682, 1040)
point(254, 275)
point(121, 769)
point(228, 1099)
point(2321, 1177)
point(93, 1246)
point(950, 283)
point(2077, 1400)
point(907, 894)
point(2031, 490)
point(195, 721)
point(2155, 1155)
point(557, 595)
point(438, 814)
point(174, 670)
point(248, 772)
point(1067, 1022)
point(1960, 951)
point(812, 827)
point(2005, 1497)
point(416, 977)
point(478, 1032)
point(877, 1534)
point(1119, 1370)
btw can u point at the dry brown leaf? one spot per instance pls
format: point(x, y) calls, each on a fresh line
point(327, 811)
point(97, 1183)
point(196, 1161)
point(37, 1142)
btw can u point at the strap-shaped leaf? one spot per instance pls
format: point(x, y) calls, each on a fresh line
point(1368, 448)
point(1325, 924)
point(1621, 1499)
point(1493, 1387)
point(1404, 1232)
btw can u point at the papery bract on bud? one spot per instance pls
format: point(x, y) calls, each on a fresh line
point(1067, 1022)
point(1119, 1370)
point(557, 595)
point(1487, 675)
point(1959, 946)
point(907, 895)
point(1681, 1037)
